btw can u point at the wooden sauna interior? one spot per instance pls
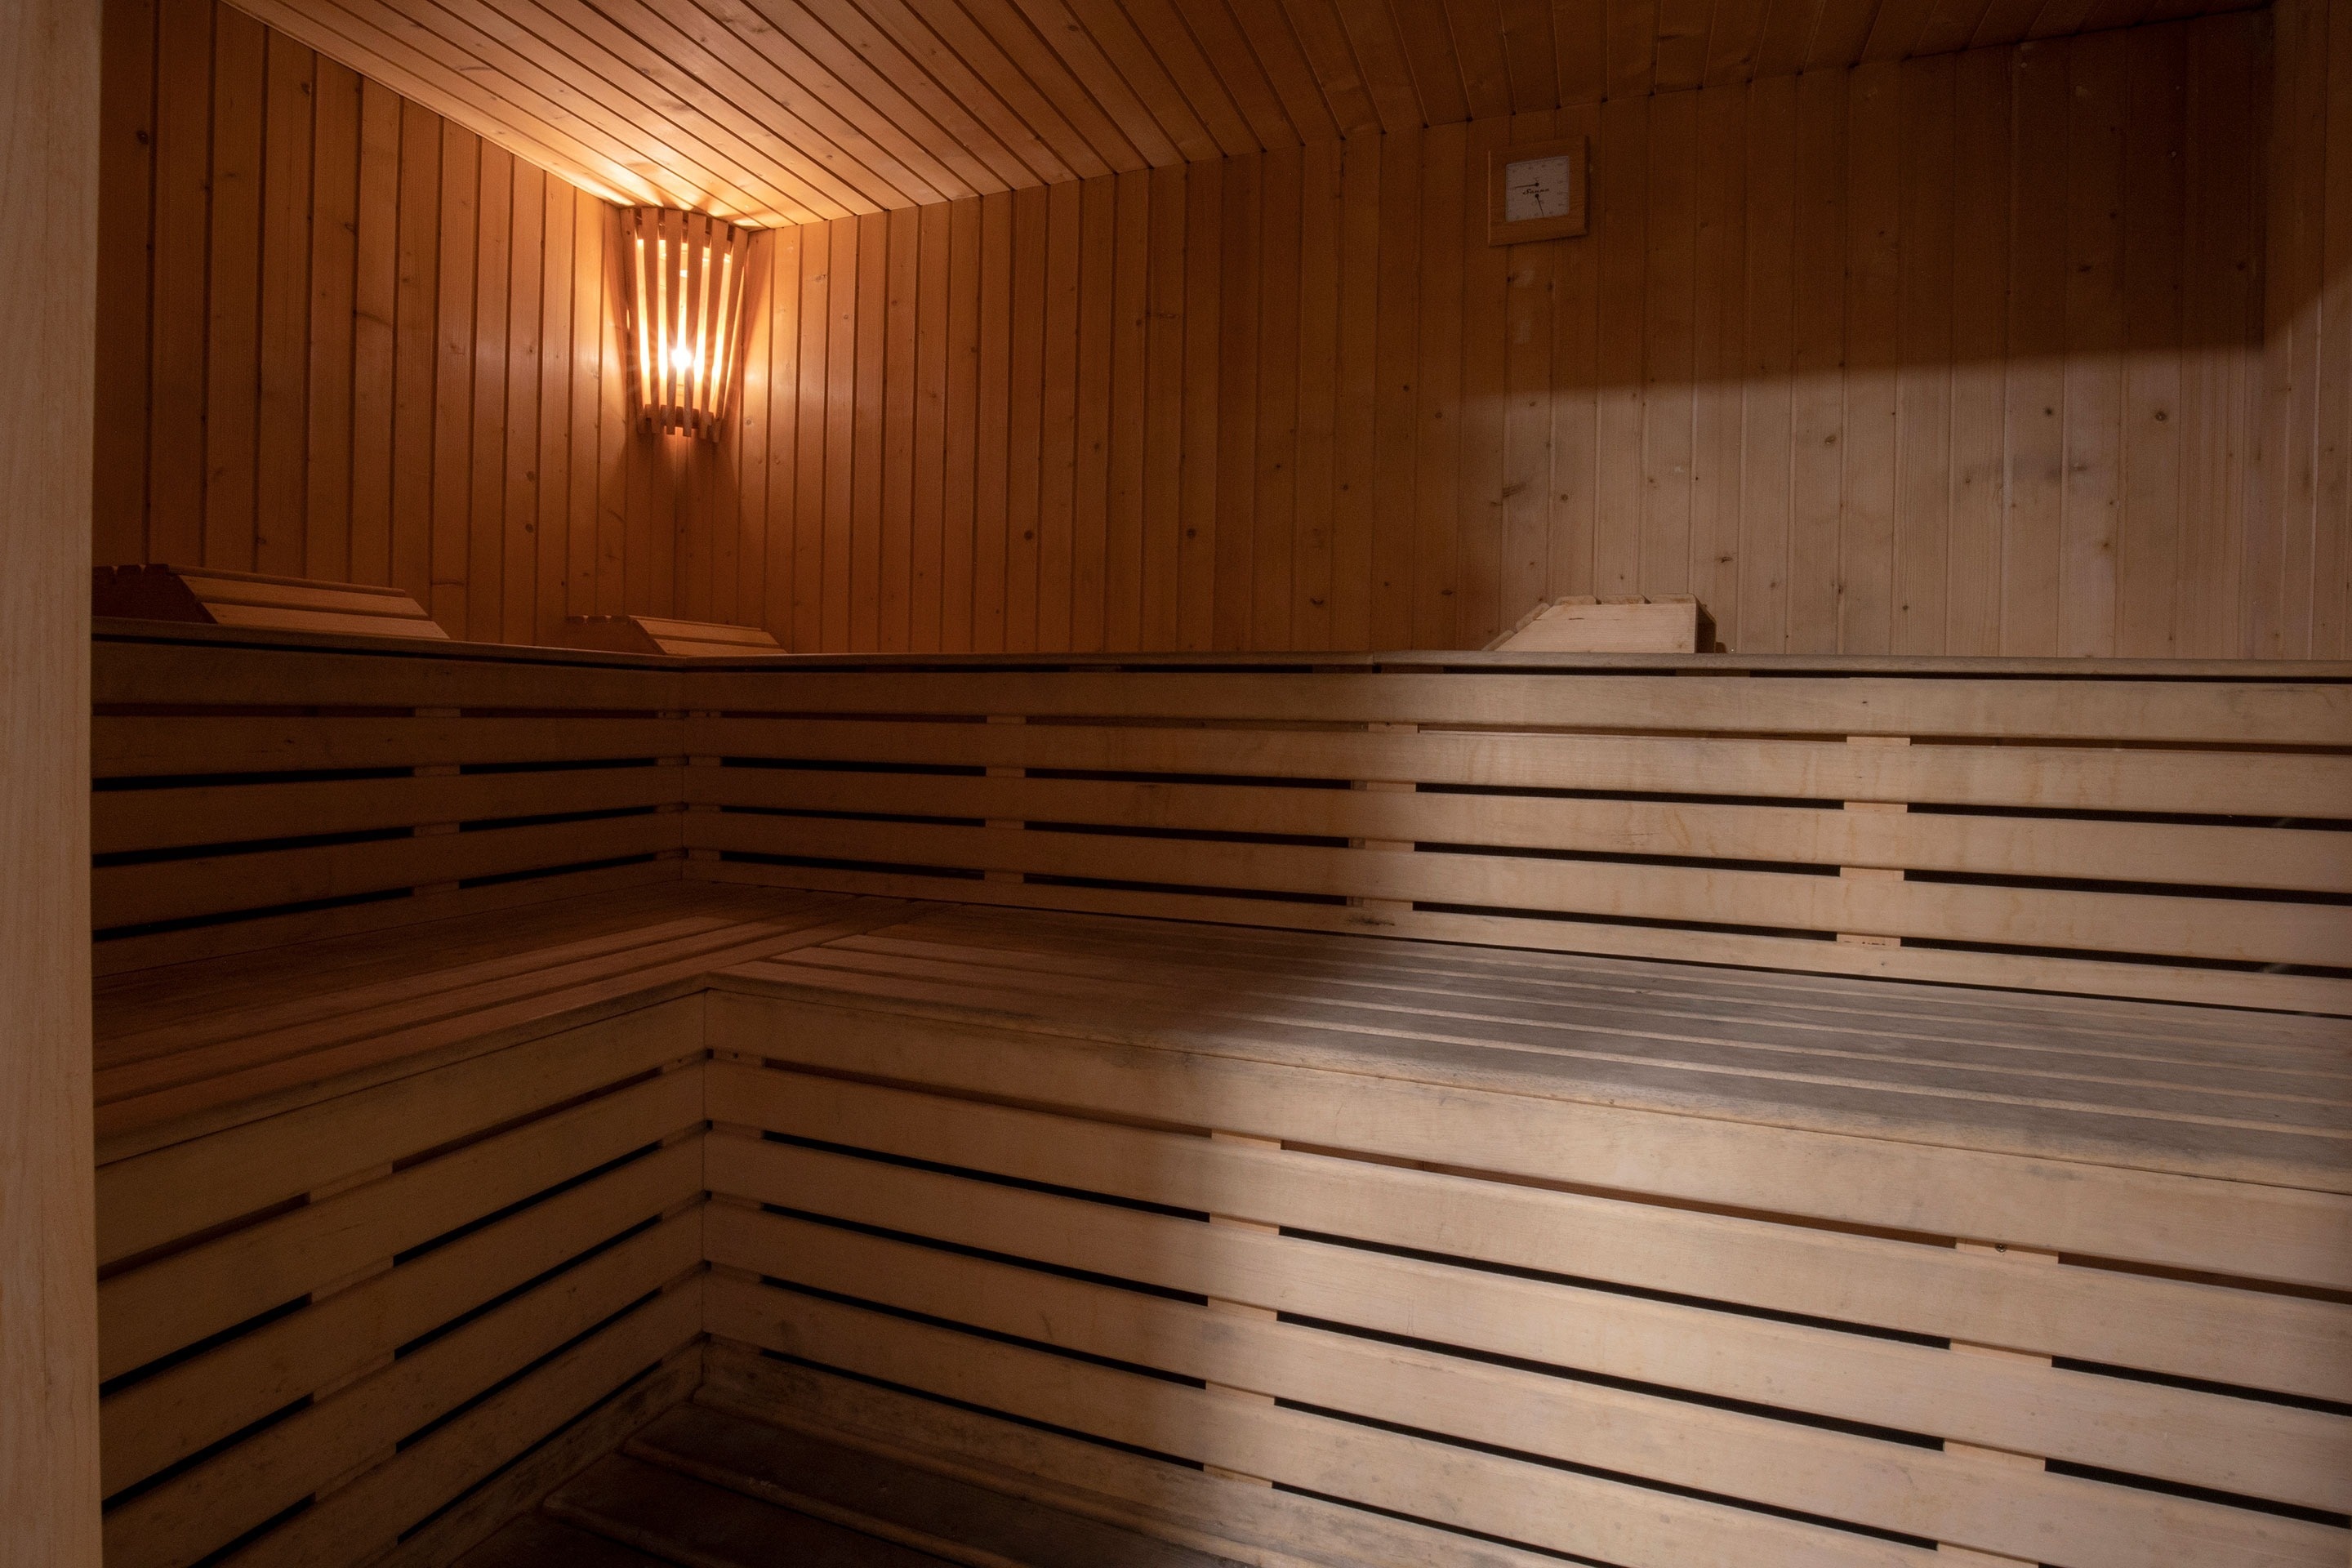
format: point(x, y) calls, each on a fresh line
point(993, 959)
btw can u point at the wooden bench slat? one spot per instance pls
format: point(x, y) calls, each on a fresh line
point(2225, 857)
point(1556, 1508)
point(153, 1310)
point(2246, 930)
point(2110, 711)
point(2072, 778)
point(365, 1521)
point(2204, 1331)
point(1750, 1457)
point(2241, 1229)
point(2227, 1444)
point(162, 1419)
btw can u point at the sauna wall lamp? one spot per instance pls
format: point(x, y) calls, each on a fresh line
point(686, 281)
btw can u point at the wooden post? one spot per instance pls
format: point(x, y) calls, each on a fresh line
point(696, 808)
point(1241, 1309)
point(435, 829)
point(1005, 773)
point(1872, 873)
point(2024, 1257)
point(48, 1248)
point(1394, 846)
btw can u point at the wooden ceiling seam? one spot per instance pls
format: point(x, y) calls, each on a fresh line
point(793, 111)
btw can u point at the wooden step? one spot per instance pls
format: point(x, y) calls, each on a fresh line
point(704, 1487)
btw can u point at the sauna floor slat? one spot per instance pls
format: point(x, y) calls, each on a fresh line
point(704, 1487)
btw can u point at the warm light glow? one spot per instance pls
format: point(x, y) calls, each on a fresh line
point(686, 300)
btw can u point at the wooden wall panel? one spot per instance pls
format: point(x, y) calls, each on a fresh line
point(1997, 352)
point(50, 70)
point(341, 337)
point(1949, 355)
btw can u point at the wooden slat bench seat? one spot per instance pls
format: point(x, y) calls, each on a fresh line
point(497, 1049)
point(2048, 1280)
point(1475, 1215)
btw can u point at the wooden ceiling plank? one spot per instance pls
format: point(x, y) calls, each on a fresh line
point(1685, 28)
point(1271, 39)
point(1845, 28)
point(2061, 18)
point(1895, 32)
point(1211, 97)
point(561, 55)
point(1580, 42)
point(2005, 22)
point(1950, 27)
point(521, 68)
point(1229, 54)
point(1332, 58)
point(880, 73)
point(1105, 53)
point(1436, 66)
point(1633, 47)
point(423, 81)
point(896, 43)
point(822, 165)
point(868, 98)
point(1477, 29)
point(1528, 55)
point(956, 34)
point(2109, 15)
point(1371, 32)
point(1734, 41)
point(718, 59)
point(1018, 40)
point(1788, 34)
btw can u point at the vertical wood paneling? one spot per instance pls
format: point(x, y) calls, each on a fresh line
point(1991, 353)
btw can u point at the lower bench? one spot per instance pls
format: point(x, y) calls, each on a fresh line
point(1285, 1248)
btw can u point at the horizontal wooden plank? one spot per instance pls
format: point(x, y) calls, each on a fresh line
point(228, 669)
point(310, 621)
point(533, 1540)
point(161, 890)
point(156, 1198)
point(1765, 1065)
point(1560, 1510)
point(2243, 931)
point(368, 1518)
point(2110, 711)
point(1751, 1457)
point(151, 1311)
point(2050, 778)
point(2276, 1141)
point(2239, 1229)
point(141, 1093)
point(2266, 858)
point(163, 1419)
point(2286, 1343)
point(2141, 1030)
point(911, 1505)
point(193, 747)
point(123, 955)
point(188, 1517)
point(1753, 955)
point(1258, 1525)
point(517, 1484)
point(123, 821)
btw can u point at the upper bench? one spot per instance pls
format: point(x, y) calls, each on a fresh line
point(2156, 830)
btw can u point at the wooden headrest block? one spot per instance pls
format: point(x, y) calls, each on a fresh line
point(655, 634)
point(220, 598)
point(1668, 623)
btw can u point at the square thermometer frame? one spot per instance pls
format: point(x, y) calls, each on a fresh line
point(1500, 230)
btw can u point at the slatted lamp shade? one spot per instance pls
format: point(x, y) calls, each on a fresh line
point(685, 282)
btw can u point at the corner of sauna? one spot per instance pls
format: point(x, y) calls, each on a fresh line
point(1318, 784)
